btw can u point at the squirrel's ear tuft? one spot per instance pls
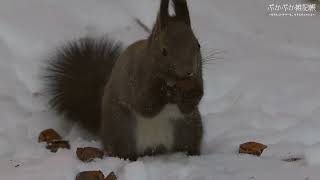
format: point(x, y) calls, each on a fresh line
point(181, 10)
point(162, 19)
point(164, 13)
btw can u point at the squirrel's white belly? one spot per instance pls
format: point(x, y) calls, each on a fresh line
point(158, 130)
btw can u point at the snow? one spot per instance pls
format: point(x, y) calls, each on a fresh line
point(265, 88)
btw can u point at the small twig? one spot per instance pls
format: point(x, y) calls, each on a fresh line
point(142, 25)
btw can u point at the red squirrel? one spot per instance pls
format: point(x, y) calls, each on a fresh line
point(140, 101)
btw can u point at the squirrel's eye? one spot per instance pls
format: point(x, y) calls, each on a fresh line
point(164, 52)
point(199, 46)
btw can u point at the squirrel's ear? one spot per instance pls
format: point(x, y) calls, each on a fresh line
point(162, 19)
point(164, 13)
point(181, 10)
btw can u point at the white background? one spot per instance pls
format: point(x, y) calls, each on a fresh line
point(265, 87)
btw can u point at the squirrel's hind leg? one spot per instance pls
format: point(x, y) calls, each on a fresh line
point(118, 132)
point(188, 134)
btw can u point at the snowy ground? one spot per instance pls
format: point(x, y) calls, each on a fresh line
point(266, 89)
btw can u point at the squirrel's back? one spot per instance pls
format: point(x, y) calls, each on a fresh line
point(75, 78)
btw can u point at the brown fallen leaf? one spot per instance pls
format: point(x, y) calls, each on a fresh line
point(88, 154)
point(111, 176)
point(90, 175)
point(55, 145)
point(253, 148)
point(49, 135)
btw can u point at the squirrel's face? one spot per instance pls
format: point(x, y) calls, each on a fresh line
point(177, 54)
point(178, 51)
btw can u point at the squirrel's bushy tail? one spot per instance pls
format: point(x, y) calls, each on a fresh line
point(75, 78)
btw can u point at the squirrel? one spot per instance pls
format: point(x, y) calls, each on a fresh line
point(141, 101)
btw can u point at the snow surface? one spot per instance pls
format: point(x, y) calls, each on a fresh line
point(265, 87)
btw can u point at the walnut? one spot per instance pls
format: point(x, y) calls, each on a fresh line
point(252, 148)
point(49, 135)
point(90, 175)
point(88, 154)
